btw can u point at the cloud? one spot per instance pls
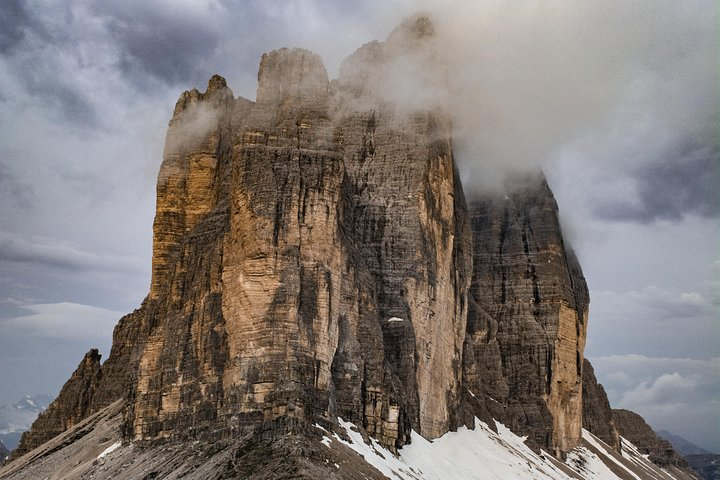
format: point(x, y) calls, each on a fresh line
point(625, 90)
point(662, 303)
point(13, 21)
point(678, 394)
point(65, 321)
point(167, 42)
point(684, 181)
point(652, 321)
point(42, 343)
point(52, 253)
point(13, 191)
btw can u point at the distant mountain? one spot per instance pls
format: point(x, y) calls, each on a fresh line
point(684, 447)
point(18, 417)
point(706, 465)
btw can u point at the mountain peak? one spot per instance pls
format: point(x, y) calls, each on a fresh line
point(681, 445)
point(319, 279)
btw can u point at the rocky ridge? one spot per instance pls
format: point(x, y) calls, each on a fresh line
point(681, 445)
point(314, 257)
point(633, 427)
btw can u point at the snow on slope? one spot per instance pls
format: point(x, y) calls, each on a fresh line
point(18, 417)
point(483, 454)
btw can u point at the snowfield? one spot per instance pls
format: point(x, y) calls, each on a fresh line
point(482, 454)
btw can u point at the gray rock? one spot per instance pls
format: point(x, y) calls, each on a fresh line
point(634, 428)
point(314, 257)
point(529, 321)
point(597, 414)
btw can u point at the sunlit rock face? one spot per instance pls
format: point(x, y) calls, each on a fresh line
point(309, 262)
point(314, 258)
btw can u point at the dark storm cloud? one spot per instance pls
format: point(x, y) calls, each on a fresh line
point(685, 182)
point(35, 49)
point(66, 99)
point(13, 21)
point(153, 41)
point(14, 192)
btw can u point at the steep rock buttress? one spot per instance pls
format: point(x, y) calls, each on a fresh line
point(314, 258)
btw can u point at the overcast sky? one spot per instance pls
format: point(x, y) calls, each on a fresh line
point(617, 101)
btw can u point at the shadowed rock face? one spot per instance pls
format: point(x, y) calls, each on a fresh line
point(597, 414)
point(314, 257)
point(4, 453)
point(528, 316)
point(633, 427)
point(70, 407)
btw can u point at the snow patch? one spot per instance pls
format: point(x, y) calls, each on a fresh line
point(481, 453)
point(110, 449)
point(592, 440)
point(467, 454)
point(395, 319)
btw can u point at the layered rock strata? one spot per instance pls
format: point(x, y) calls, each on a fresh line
point(529, 310)
point(633, 427)
point(314, 257)
point(72, 405)
point(597, 416)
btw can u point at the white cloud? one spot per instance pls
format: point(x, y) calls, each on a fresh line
point(63, 254)
point(65, 321)
point(660, 303)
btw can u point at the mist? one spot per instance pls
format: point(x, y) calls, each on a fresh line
point(527, 82)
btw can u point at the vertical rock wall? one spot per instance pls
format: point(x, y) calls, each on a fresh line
point(314, 257)
point(529, 315)
point(597, 415)
point(319, 247)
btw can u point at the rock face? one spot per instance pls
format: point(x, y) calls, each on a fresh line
point(597, 415)
point(528, 315)
point(314, 258)
point(4, 453)
point(70, 407)
point(633, 427)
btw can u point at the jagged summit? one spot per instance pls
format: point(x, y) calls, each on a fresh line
point(412, 33)
point(315, 259)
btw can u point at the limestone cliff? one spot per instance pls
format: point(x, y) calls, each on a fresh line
point(597, 416)
point(634, 428)
point(314, 258)
point(529, 314)
point(70, 407)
